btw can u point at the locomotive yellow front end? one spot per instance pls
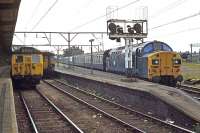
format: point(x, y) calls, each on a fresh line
point(164, 67)
point(27, 67)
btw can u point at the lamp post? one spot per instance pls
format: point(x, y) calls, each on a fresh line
point(191, 53)
point(91, 61)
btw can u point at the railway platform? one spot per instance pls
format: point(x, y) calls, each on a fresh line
point(8, 122)
point(172, 96)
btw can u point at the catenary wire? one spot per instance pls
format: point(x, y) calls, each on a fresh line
point(102, 16)
point(34, 12)
point(167, 8)
point(176, 21)
point(44, 15)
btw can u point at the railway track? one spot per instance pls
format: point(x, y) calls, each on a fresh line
point(88, 117)
point(193, 91)
point(23, 121)
point(122, 114)
point(43, 115)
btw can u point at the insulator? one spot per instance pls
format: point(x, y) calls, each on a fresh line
point(112, 28)
point(138, 28)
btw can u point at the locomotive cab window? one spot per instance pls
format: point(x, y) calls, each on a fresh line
point(156, 46)
point(161, 46)
point(148, 48)
point(35, 58)
point(19, 59)
point(166, 47)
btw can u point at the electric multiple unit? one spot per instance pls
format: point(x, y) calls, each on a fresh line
point(26, 66)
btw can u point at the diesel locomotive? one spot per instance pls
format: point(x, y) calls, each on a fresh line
point(154, 61)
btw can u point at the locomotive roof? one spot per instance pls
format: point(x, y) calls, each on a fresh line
point(27, 50)
point(47, 53)
point(140, 45)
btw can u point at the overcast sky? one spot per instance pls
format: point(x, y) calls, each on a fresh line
point(68, 15)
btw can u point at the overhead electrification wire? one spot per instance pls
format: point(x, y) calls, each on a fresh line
point(44, 15)
point(84, 6)
point(168, 7)
point(102, 16)
point(34, 12)
point(87, 3)
point(176, 21)
point(182, 31)
point(19, 39)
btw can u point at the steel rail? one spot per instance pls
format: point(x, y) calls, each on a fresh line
point(198, 98)
point(60, 112)
point(135, 129)
point(128, 109)
point(29, 114)
point(190, 89)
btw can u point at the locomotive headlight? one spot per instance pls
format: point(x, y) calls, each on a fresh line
point(130, 29)
point(155, 62)
point(177, 61)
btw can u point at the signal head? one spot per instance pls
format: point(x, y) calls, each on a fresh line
point(112, 27)
point(120, 30)
point(130, 29)
point(138, 28)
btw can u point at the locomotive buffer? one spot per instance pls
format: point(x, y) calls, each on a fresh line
point(129, 30)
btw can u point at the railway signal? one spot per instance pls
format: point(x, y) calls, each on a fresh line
point(136, 29)
point(128, 30)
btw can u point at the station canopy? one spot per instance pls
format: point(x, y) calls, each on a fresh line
point(8, 17)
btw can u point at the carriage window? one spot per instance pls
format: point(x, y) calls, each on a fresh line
point(19, 59)
point(148, 48)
